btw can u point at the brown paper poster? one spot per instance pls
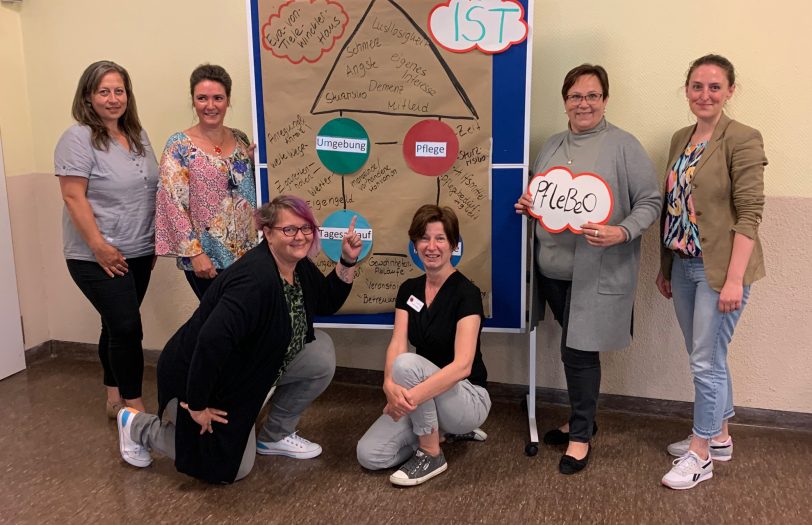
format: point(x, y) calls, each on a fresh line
point(375, 63)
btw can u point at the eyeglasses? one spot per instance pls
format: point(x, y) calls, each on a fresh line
point(591, 98)
point(291, 231)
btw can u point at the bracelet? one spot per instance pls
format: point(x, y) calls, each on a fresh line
point(345, 263)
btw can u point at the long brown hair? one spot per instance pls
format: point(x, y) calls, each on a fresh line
point(84, 114)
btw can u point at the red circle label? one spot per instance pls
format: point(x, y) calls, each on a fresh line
point(430, 147)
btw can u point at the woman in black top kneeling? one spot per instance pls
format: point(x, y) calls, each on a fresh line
point(440, 387)
point(253, 325)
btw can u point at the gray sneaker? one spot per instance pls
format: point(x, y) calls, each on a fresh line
point(420, 468)
point(718, 451)
point(476, 434)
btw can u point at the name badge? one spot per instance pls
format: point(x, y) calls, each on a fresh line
point(415, 303)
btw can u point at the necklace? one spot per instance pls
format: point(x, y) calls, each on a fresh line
point(587, 147)
point(218, 147)
point(567, 153)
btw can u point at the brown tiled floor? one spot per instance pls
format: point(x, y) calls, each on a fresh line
point(59, 463)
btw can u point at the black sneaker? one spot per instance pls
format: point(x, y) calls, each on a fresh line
point(420, 468)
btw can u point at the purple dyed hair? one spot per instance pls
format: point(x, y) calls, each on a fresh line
point(268, 214)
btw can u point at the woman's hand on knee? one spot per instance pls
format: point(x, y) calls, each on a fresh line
point(397, 401)
point(206, 417)
point(391, 412)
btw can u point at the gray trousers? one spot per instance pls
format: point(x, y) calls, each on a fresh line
point(159, 436)
point(458, 410)
point(308, 375)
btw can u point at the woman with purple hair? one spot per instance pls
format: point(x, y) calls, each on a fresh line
point(252, 331)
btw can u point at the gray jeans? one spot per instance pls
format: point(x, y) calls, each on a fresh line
point(458, 410)
point(308, 375)
point(159, 436)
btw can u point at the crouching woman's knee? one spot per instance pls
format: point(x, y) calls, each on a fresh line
point(408, 370)
point(322, 355)
point(368, 457)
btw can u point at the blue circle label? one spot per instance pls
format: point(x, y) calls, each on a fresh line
point(336, 225)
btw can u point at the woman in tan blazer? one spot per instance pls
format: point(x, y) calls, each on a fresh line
point(710, 254)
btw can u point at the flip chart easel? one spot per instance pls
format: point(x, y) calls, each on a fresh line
point(273, 30)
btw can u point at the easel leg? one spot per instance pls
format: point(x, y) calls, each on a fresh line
point(532, 447)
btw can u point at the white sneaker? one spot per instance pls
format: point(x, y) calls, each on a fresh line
point(133, 453)
point(688, 472)
point(719, 451)
point(292, 446)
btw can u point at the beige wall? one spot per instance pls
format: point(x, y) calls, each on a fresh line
point(160, 42)
point(15, 118)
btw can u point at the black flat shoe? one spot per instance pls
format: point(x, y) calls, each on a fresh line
point(569, 465)
point(557, 437)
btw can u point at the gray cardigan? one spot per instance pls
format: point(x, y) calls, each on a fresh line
point(604, 280)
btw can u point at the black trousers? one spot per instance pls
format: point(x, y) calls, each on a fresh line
point(199, 285)
point(582, 369)
point(117, 299)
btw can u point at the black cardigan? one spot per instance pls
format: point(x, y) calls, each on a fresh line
point(228, 355)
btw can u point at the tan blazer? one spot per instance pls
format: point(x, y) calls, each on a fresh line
point(728, 193)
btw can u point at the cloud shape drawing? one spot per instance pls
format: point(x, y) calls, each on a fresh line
point(562, 200)
point(304, 30)
point(491, 26)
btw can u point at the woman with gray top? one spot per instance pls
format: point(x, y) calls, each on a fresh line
point(589, 279)
point(107, 174)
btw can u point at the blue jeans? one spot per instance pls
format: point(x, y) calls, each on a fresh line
point(707, 333)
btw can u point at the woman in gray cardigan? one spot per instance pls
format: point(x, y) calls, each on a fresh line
point(589, 278)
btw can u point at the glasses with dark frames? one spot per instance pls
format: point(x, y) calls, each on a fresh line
point(591, 98)
point(291, 231)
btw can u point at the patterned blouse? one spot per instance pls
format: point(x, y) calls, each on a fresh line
point(681, 233)
point(205, 203)
point(298, 321)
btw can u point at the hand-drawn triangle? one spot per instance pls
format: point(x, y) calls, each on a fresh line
point(390, 66)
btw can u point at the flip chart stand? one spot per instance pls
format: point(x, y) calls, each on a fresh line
point(529, 402)
point(532, 447)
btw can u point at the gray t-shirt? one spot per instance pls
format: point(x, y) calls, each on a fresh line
point(121, 190)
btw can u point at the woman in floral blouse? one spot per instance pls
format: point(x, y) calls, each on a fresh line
point(207, 192)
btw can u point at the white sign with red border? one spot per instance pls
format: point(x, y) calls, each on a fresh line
point(563, 200)
point(491, 26)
